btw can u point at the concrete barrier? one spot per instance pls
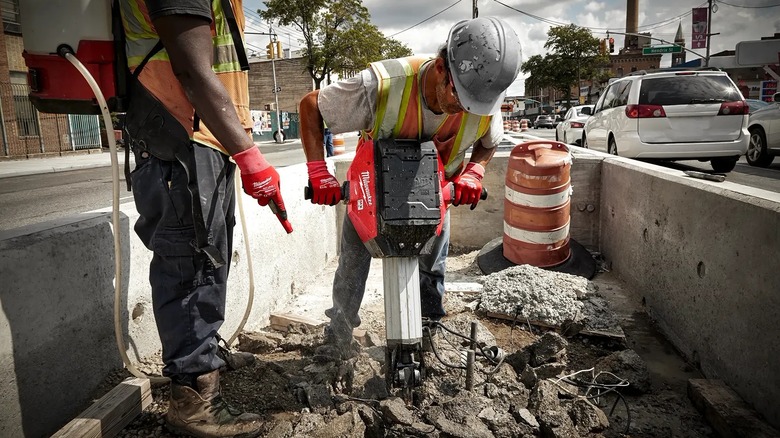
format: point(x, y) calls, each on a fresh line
point(704, 258)
point(56, 325)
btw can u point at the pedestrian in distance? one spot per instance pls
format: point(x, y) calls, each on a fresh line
point(328, 141)
point(454, 101)
point(183, 185)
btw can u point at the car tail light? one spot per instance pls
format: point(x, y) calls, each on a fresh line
point(739, 107)
point(645, 111)
point(577, 125)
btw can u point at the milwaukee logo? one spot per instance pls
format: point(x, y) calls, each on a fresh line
point(364, 181)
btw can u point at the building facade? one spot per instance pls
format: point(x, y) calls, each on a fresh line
point(25, 132)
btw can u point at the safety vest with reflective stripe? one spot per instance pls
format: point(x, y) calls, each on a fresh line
point(157, 75)
point(399, 114)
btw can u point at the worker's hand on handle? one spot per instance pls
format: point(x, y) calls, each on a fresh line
point(325, 188)
point(261, 181)
point(468, 186)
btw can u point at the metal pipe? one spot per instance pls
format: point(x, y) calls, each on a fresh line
point(470, 370)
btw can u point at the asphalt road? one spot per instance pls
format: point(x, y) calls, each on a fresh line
point(767, 179)
point(27, 200)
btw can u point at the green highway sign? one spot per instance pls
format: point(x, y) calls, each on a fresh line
point(656, 50)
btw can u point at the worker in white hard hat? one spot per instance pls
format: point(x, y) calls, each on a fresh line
point(453, 100)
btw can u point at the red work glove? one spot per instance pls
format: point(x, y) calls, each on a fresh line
point(261, 181)
point(468, 186)
point(325, 188)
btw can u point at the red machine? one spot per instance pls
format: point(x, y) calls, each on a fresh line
point(84, 28)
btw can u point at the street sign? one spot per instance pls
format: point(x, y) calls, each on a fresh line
point(655, 50)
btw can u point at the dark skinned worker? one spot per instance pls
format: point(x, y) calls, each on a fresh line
point(188, 116)
point(453, 100)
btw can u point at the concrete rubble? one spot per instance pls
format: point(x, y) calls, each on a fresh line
point(531, 385)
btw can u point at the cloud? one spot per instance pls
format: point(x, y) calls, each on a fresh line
point(660, 17)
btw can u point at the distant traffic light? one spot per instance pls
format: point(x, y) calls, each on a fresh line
point(611, 45)
point(603, 46)
point(279, 53)
point(269, 50)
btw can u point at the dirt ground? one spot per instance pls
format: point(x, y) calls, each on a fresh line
point(300, 395)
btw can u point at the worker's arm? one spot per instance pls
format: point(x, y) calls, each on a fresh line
point(325, 188)
point(481, 154)
point(312, 133)
point(187, 39)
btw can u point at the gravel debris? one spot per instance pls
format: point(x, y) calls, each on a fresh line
point(536, 294)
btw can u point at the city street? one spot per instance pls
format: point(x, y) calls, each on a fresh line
point(767, 179)
point(32, 199)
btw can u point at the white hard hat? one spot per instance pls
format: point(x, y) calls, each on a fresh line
point(484, 57)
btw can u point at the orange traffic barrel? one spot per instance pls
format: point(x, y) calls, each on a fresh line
point(524, 125)
point(537, 203)
point(338, 144)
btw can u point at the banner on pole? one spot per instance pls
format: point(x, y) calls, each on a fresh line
point(700, 28)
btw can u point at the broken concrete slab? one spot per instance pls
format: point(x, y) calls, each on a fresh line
point(550, 347)
point(282, 321)
point(259, 342)
point(587, 417)
point(396, 411)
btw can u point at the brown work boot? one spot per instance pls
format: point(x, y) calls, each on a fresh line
point(205, 414)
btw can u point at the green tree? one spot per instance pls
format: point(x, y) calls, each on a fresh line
point(573, 55)
point(337, 34)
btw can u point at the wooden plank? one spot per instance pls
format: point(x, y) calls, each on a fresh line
point(585, 331)
point(726, 412)
point(109, 415)
point(281, 321)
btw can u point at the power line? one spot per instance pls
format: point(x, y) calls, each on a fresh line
point(410, 27)
point(747, 7)
point(560, 23)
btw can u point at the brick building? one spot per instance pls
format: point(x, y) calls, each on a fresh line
point(291, 78)
point(24, 132)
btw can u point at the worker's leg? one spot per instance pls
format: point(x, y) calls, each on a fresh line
point(188, 293)
point(349, 284)
point(432, 268)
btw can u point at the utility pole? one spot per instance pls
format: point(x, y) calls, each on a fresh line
point(272, 38)
point(474, 10)
point(709, 32)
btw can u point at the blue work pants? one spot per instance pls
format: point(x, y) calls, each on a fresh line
point(188, 293)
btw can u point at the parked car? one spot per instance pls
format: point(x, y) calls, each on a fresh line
point(756, 104)
point(764, 128)
point(570, 128)
point(675, 115)
point(544, 121)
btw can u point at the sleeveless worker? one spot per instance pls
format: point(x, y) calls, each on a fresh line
point(188, 115)
point(453, 100)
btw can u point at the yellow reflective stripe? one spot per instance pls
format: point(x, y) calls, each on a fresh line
point(396, 80)
point(405, 97)
point(382, 92)
point(469, 132)
point(220, 23)
point(139, 20)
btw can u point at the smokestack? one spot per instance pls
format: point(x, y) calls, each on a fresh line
point(632, 21)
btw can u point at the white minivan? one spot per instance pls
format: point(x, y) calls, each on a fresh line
point(671, 115)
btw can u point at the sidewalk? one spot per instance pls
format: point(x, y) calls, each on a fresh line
point(34, 166)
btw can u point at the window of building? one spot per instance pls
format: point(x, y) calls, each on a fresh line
point(633, 69)
point(11, 22)
point(620, 72)
point(26, 114)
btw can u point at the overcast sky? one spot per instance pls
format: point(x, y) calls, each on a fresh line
point(736, 20)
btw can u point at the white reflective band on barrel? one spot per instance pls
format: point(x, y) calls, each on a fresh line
point(536, 201)
point(536, 237)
